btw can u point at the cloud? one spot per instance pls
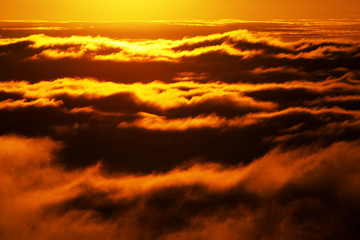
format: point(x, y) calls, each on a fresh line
point(239, 43)
point(124, 124)
point(47, 201)
point(161, 95)
point(154, 122)
point(236, 56)
point(9, 104)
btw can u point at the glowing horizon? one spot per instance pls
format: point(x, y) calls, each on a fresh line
point(141, 10)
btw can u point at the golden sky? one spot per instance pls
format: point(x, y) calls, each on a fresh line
point(111, 10)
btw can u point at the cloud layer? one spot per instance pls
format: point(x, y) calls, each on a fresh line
point(248, 133)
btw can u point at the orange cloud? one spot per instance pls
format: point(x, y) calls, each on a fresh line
point(154, 122)
point(260, 70)
point(160, 94)
point(321, 52)
point(169, 94)
point(145, 50)
point(163, 97)
point(41, 102)
point(32, 185)
point(263, 176)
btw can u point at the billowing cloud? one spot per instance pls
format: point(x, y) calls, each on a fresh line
point(240, 121)
point(239, 43)
point(233, 56)
point(47, 201)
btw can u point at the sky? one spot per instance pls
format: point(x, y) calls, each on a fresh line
point(111, 10)
point(159, 125)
